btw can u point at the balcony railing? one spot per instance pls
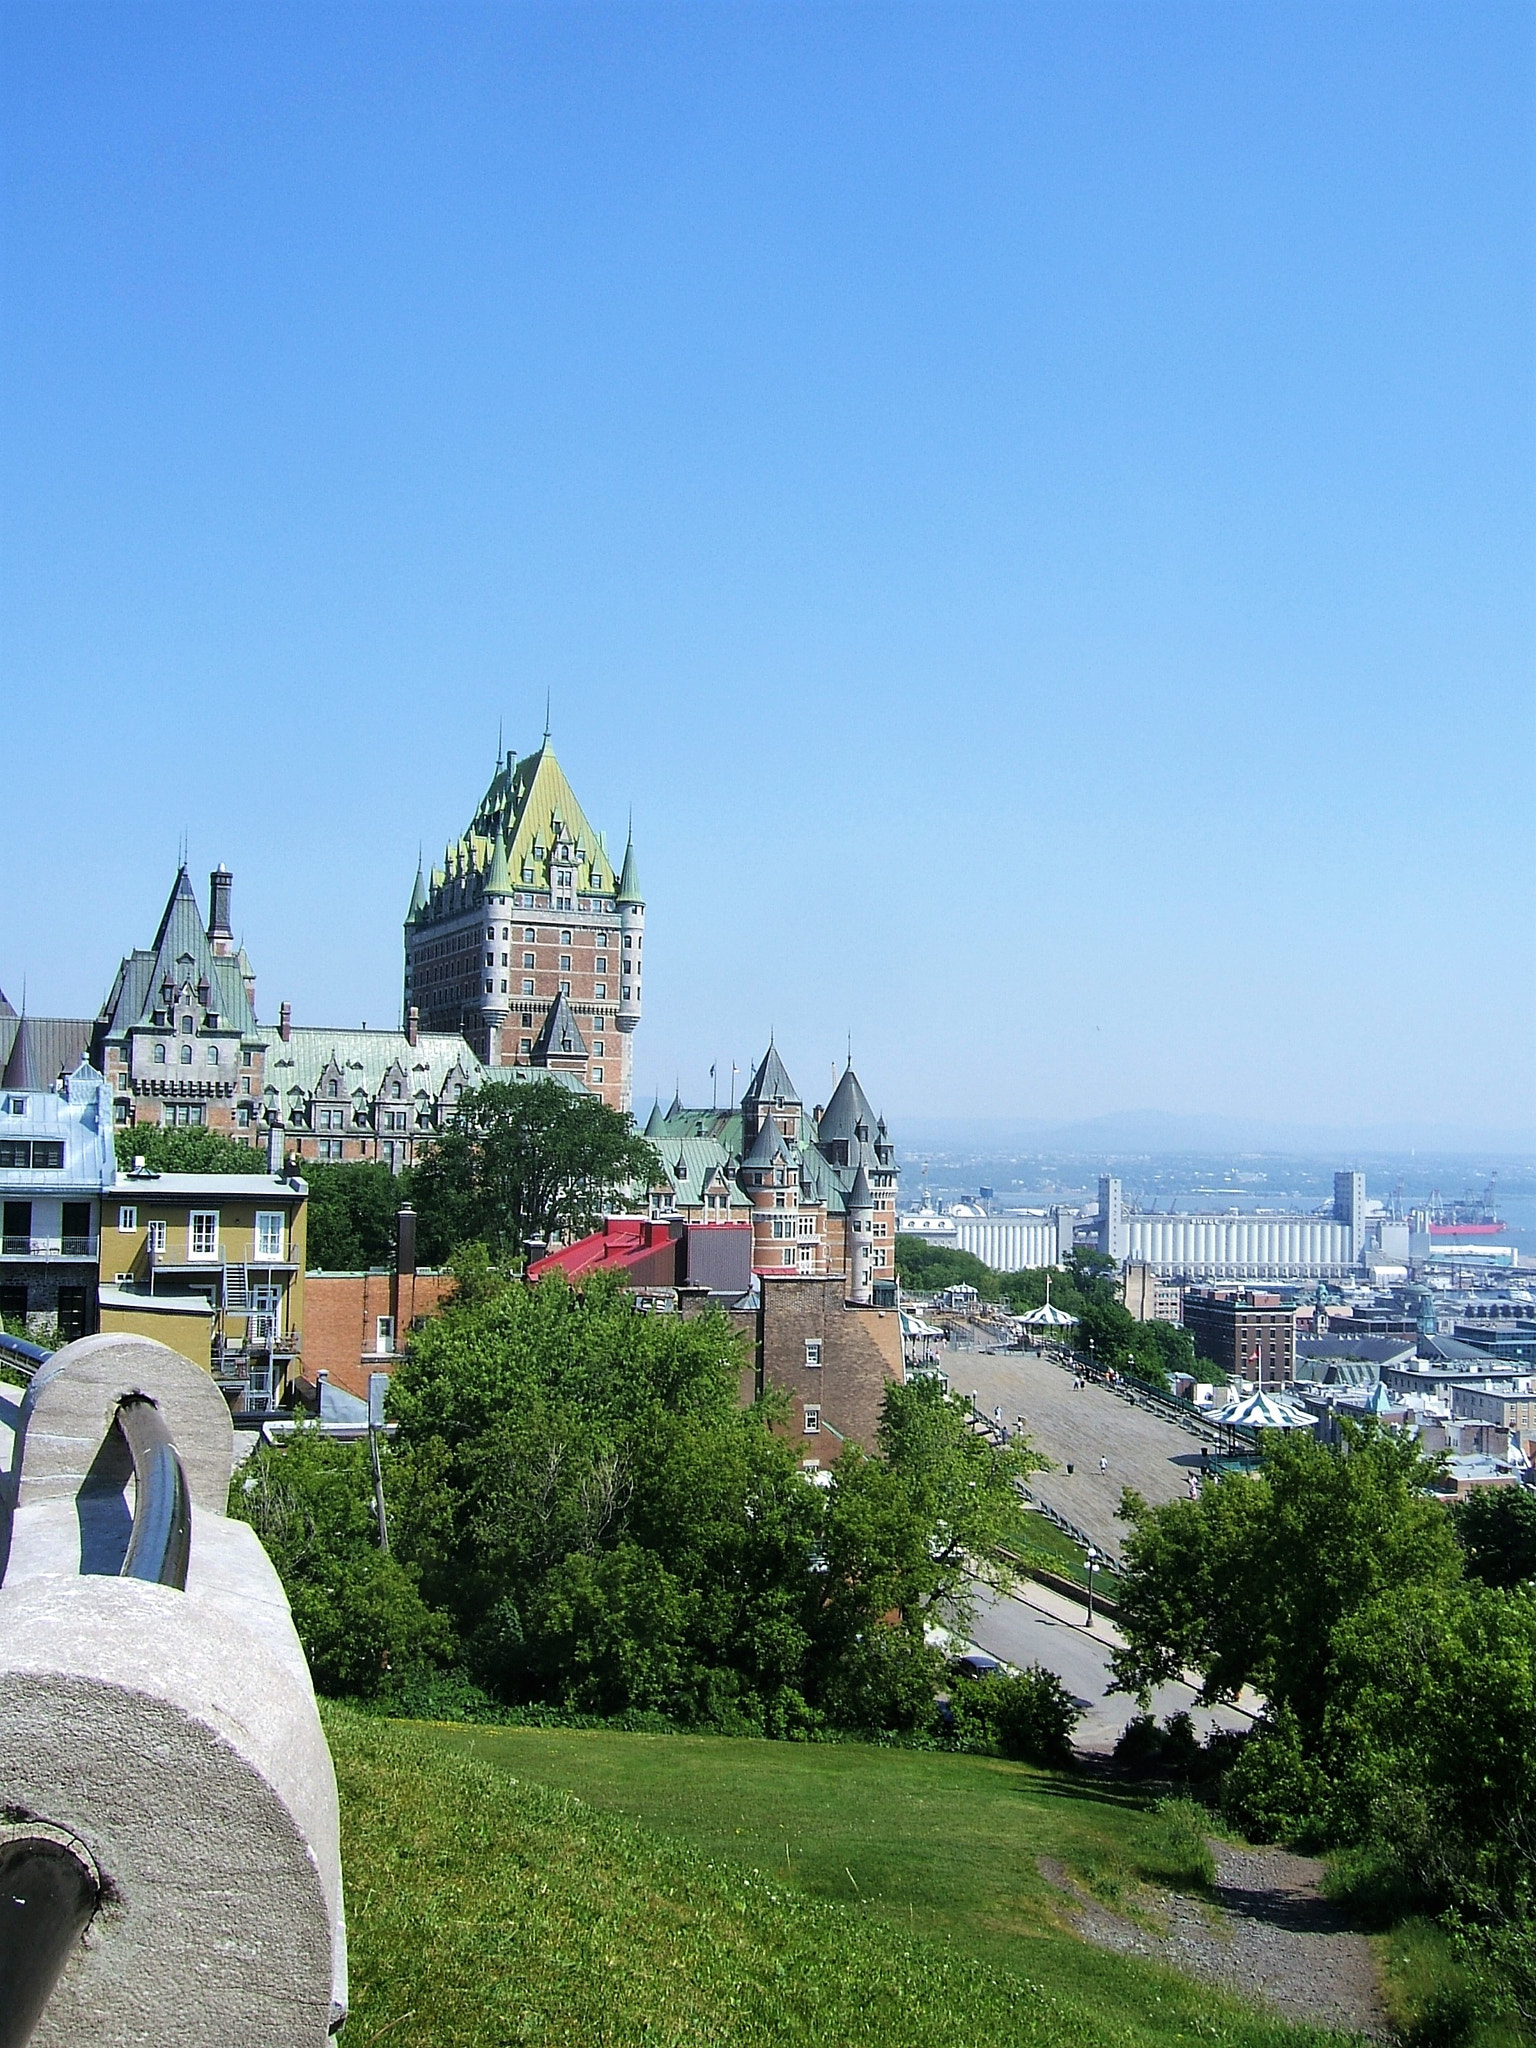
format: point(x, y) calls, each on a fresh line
point(48, 1247)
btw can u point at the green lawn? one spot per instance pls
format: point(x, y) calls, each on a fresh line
point(1055, 1551)
point(702, 1890)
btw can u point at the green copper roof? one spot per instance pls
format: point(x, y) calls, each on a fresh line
point(629, 886)
point(418, 896)
point(498, 876)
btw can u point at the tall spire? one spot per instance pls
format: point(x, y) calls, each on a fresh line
point(498, 880)
point(418, 893)
point(546, 714)
point(629, 886)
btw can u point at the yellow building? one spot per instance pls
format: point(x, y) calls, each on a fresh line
point(234, 1241)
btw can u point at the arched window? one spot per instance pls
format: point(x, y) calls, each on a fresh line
point(159, 1055)
point(186, 1055)
point(186, 1027)
point(333, 1089)
point(213, 1055)
point(395, 1091)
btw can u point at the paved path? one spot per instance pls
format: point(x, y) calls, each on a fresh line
point(1078, 1427)
point(1042, 1627)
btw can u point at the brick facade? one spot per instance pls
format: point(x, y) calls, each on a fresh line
point(830, 1358)
point(342, 1315)
point(526, 940)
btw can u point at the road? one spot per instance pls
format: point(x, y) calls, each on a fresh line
point(1043, 1628)
point(1077, 1427)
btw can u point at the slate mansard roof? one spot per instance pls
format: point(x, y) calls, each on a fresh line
point(364, 1060)
point(38, 1051)
point(182, 956)
point(528, 809)
point(834, 1165)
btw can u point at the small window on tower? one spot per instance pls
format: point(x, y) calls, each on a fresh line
point(529, 961)
point(527, 988)
point(565, 938)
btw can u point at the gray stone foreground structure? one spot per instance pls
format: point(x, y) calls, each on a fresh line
point(174, 1734)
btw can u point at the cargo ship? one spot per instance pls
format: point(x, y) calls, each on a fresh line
point(1466, 1218)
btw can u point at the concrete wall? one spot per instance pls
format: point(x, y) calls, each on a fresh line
point(172, 1323)
point(172, 1734)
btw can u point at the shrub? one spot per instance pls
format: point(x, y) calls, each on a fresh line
point(1028, 1717)
point(1275, 1792)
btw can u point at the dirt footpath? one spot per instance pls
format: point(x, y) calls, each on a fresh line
point(1270, 1935)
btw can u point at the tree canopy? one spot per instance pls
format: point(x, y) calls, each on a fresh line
point(589, 1520)
point(1249, 1583)
point(1497, 1527)
point(352, 1209)
point(521, 1161)
point(167, 1148)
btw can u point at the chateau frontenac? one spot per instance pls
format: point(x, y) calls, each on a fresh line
point(526, 940)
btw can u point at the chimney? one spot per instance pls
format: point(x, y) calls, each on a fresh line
point(285, 1021)
point(274, 1147)
point(405, 1240)
point(220, 935)
point(412, 1024)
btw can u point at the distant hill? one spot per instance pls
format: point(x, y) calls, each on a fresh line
point(1164, 1131)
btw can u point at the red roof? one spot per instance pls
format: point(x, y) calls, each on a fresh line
point(623, 1241)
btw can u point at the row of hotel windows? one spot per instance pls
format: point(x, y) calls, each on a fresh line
point(530, 937)
point(203, 1232)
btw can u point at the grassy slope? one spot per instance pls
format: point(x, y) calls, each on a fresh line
point(487, 1905)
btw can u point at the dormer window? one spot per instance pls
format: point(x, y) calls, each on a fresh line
point(186, 1026)
point(332, 1089)
point(395, 1091)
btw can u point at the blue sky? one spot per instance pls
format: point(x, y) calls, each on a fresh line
point(1031, 504)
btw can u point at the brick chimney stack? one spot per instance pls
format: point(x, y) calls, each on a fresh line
point(412, 1024)
point(285, 1022)
point(220, 935)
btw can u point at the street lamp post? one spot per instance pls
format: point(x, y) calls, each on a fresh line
point(1092, 1560)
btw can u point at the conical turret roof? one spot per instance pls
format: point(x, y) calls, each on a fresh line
point(767, 1147)
point(629, 886)
point(848, 1108)
point(771, 1082)
point(860, 1195)
point(418, 895)
point(653, 1122)
point(43, 1049)
point(498, 877)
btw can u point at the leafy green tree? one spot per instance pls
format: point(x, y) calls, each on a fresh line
point(352, 1212)
point(525, 1161)
point(1429, 1732)
point(580, 1489)
point(1497, 1527)
point(166, 1148)
point(358, 1613)
point(1249, 1584)
point(1153, 1352)
point(908, 1533)
point(924, 1268)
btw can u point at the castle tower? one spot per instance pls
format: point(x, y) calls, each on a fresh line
point(631, 909)
point(526, 914)
point(861, 1240)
